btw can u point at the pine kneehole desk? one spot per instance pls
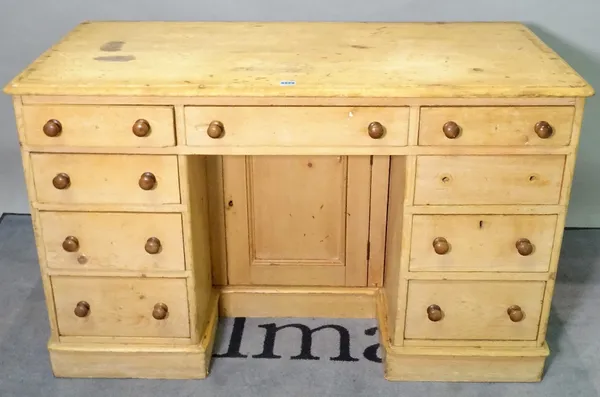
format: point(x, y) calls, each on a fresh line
point(410, 172)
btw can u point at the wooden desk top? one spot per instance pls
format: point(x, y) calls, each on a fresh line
point(434, 60)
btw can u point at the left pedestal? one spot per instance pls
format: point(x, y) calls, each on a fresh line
point(122, 242)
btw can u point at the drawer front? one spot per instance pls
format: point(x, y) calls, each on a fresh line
point(473, 310)
point(447, 180)
point(105, 179)
point(121, 307)
point(296, 126)
point(501, 126)
point(488, 243)
point(90, 125)
point(108, 241)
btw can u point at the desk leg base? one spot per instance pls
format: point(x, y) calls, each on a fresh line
point(464, 364)
point(95, 360)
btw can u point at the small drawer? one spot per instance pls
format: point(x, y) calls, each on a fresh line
point(485, 243)
point(296, 126)
point(109, 241)
point(95, 306)
point(474, 310)
point(499, 126)
point(99, 126)
point(449, 180)
point(105, 179)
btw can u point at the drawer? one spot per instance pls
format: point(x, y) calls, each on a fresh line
point(474, 310)
point(105, 179)
point(501, 126)
point(487, 243)
point(295, 126)
point(535, 179)
point(109, 241)
point(96, 306)
point(90, 125)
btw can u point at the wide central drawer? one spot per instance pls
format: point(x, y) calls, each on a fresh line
point(499, 243)
point(296, 126)
point(534, 179)
point(474, 310)
point(111, 241)
point(96, 306)
point(105, 179)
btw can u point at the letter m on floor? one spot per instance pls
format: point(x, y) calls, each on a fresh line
point(306, 344)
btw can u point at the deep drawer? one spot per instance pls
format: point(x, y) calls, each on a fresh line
point(474, 310)
point(94, 306)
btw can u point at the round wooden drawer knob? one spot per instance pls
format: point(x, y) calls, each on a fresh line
point(524, 247)
point(515, 313)
point(543, 129)
point(152, 246)
point(215, 129)
point(451, 130)
point(434, 313)
point(376, 130)
point(52, 128)
point(61, 181)
point(141, 128)
point(441, 246)
point(82, 309)
point(160, 311)
point(71, 244)
point(147, 181)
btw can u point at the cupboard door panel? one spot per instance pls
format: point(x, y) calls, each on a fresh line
point(297, 215)
point(297, 209)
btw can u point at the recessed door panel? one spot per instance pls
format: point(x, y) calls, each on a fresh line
point(297, 220)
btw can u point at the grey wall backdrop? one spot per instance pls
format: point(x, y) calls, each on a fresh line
point(29, 27)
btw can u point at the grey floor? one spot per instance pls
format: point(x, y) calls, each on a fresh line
point(572, 370)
